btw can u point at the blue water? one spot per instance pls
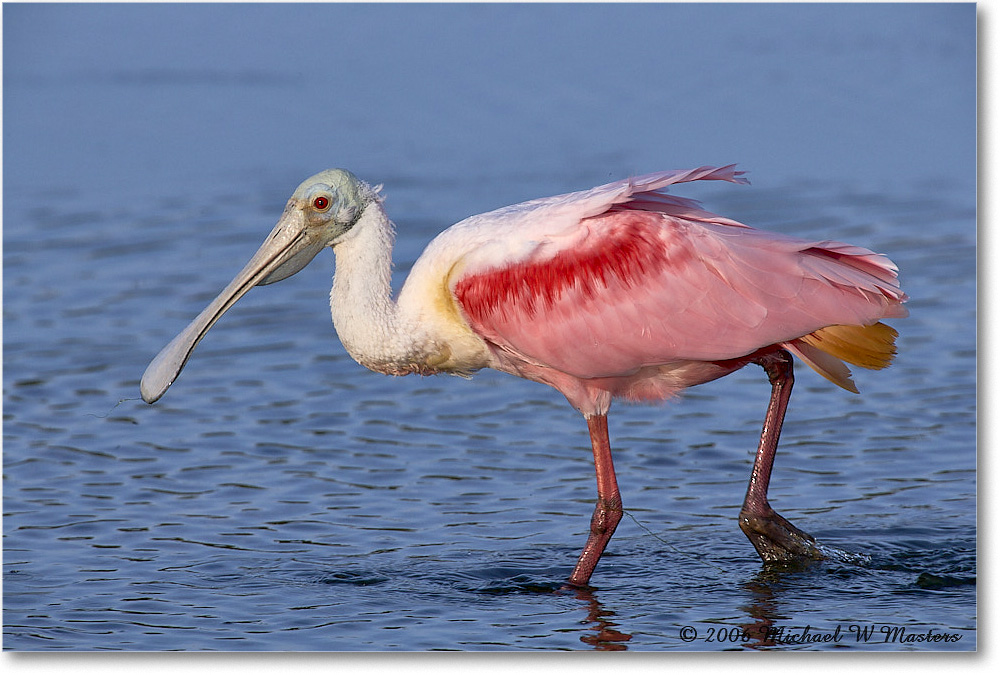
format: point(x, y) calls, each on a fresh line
point(281, 497)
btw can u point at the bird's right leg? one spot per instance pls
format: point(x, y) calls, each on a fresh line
point(608, 511)
point(775, 538)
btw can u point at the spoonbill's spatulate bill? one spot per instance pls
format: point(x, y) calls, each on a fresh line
point(621, 291)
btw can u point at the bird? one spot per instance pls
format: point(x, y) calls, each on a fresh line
point(621, 292)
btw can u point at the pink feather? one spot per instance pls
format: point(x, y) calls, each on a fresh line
point(641, 291)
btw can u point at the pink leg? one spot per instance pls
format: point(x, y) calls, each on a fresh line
point(608, 510)
point(775, 538)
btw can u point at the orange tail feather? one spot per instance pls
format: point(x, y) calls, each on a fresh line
point(826, 349)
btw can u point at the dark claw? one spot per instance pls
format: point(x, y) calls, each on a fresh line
point(776, 539)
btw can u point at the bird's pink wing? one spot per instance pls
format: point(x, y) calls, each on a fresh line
point(655, 279)
point(512, 233)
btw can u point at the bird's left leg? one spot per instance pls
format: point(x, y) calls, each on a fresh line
point(775, 538)
point(608, 510)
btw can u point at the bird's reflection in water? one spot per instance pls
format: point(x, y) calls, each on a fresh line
point(603, 636)
point(763, 606)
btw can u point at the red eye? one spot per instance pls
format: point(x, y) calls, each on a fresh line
point(321, 203)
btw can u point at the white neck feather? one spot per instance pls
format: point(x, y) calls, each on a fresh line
point(366, 318)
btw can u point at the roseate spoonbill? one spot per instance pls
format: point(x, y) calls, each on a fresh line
point(621, 291)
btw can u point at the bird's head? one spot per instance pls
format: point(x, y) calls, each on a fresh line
point(319, 213)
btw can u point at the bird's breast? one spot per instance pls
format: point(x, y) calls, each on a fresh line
point(449, 343)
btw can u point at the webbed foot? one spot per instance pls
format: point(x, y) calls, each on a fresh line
point(776, 539)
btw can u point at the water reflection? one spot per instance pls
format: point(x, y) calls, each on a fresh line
point(603, 636)
point(765, 591)
point(770, 592)
point(767, 587)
